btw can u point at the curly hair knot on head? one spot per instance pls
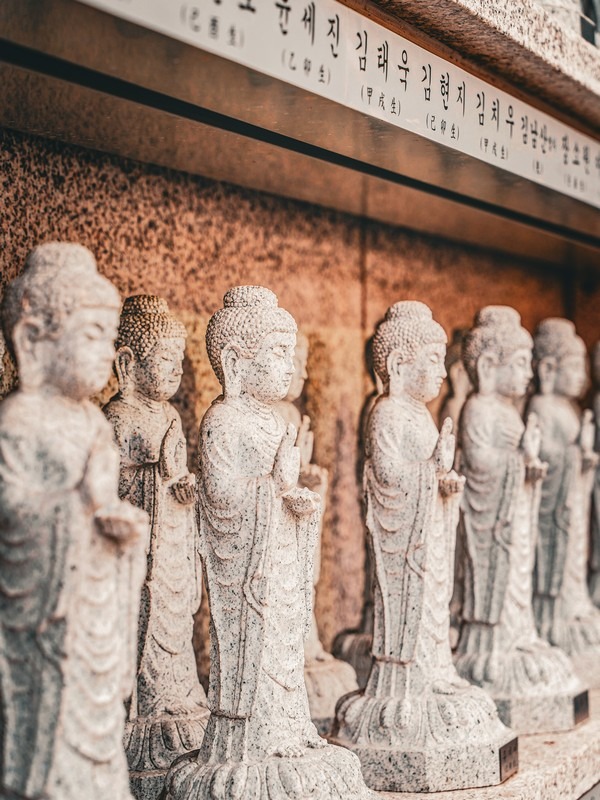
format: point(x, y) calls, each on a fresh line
point(145, 320)
point(556, 337)
point(249, 314)
point(408, 326)
point(497, 329)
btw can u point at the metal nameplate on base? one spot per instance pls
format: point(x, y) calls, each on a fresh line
point(581, 707)
point(509, 759)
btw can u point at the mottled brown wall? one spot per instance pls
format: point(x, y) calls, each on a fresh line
point(189, 239)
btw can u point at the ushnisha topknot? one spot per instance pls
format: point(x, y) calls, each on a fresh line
point(145, 320)
point(58, 278)
point(249, 313)
point(496, 328)
point(408, 325)
point(556, 337)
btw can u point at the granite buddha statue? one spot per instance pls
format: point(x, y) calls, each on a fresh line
point(594, 578)
point(168, 711)
point(565, 614)
point(71, 562)
point(417, 726)
point(327, 678)
point(532, 683)
point(258, 533)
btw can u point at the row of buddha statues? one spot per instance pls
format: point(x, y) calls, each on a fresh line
point(479, 624)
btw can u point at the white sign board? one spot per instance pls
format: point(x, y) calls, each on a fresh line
point(333, 51)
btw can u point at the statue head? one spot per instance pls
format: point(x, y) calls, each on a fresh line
point(300, 374)
point(409, 350)
point(60, 319)
point(497, 352)
point(250, 344)
point(150, 348)
point(560, 358)
point(458, 378)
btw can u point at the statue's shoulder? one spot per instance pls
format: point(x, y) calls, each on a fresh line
point(544, 405)
point(23, 414)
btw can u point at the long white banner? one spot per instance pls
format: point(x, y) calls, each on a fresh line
point(333, 51)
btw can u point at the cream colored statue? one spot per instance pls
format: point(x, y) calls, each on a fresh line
point(417, 726)
point(168, 711)
point(459, 383)
point(327, 678)
point(564, 612)
point(594, 581)
point(71, 562)
point(258, 533)
point(533, 684)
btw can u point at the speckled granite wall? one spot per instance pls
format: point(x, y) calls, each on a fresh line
point(189, 239)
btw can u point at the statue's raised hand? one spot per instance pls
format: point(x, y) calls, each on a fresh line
point(184, 489)
point(167, 461)
point(532, 439)
point(122, 522)
point(443, 454)
point(305, 442)
point(587, 433)
point(286, 468)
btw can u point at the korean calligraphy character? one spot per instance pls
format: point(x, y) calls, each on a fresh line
point(496, 112)
point(585, 155)
point(404, 70)
point(426, 79)
point(308, 20)
point(533, 129)
point(284, 15)
point(393, 105)
point(443, 126)
point(247, 6)
point(481, 105)
point(334, 34)
point(576, 160)
point(525, 128)
point(510, 119)
point(445, 89)
point(193, 18)
point(382, 58)
point(362, 45)
point(544, 139)
point(565, 149)
point(462, 96)
point(369, 94)
point(213, 28)
point(322, 73)
point(453, 131)
point(232, 36)
point(382, 101)
point(307, 66)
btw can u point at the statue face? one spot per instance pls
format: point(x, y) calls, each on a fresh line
point(158, 376)
point(423, 378)
point(78, 363)
point(300, 374)
point(571, 375)
point(513, 377)
point(268, 375)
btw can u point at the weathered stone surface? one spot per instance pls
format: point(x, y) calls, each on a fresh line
point(168, 712)
point(562, 766)
point(417, 726)
point(565, 614)
point(72, 551)
point(258, 533)
point(327, 678)
point(533, 684)
point(595, 555)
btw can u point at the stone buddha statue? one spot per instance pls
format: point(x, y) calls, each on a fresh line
point(459, 383)
point(417, 726)
point(258, 533)
point(71, 561)
point(594, 579)
point(168, 711)
point(565, 614)
point(327, 678)
point(499, 649)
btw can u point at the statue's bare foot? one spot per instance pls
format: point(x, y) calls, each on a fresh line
point(444, 687)
point(289, 751)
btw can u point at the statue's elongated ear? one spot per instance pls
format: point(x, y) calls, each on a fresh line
point(546, 369)
point(123, 364)
point(486, 371)
point(394, 363)
point(231, 363)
